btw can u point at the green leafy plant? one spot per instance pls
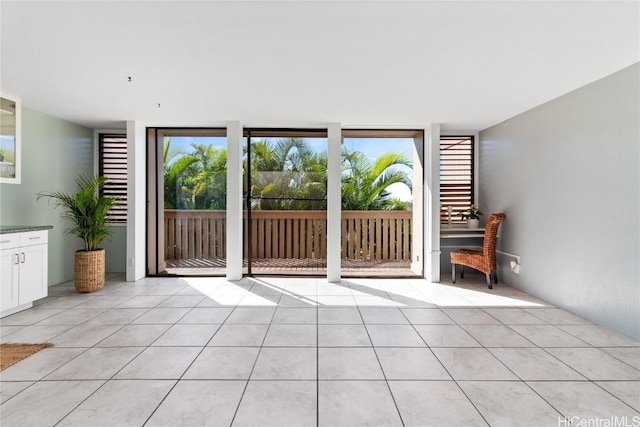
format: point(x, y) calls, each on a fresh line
point(473, 213)
point(86, 209)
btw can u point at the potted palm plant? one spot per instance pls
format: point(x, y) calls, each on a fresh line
point(87, 211)
point(472, 216)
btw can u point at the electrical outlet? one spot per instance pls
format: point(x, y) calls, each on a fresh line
point(515, 267)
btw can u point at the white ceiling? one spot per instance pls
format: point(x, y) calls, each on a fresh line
point(467, 65)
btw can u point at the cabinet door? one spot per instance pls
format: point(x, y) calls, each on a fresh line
point(9, 270)
point(33, 273)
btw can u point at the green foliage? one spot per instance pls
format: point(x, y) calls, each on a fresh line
point(286, 174)
point(7, 156)
point(86, 210)
point(397, 205)
point(365, 185)
point(473, 213)
point(196, 179)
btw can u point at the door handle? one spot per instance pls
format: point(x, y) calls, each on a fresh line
point(23, 257)
point(17, 259)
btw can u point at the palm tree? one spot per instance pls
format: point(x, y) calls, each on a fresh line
point(209, 180)
point(195, 179)
point(365, 185)
point(287, 174)
point(293, 174)
point(176, 165)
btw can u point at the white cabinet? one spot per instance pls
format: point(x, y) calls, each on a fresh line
point(9, 270)
point(23, 270)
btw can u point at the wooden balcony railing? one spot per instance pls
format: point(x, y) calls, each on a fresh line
point(366, 235)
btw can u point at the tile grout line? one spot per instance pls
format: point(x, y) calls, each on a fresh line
point(358, 307)
point(114, 374)
point(186, 369)
point(447, 370)
point(43, 379)
point(456, 382)
point(255, 362)
point(384, 375)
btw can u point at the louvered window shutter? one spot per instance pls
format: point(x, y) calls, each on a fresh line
point(113, 165)
point(456, 176)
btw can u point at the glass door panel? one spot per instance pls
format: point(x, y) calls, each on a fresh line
point(286, 202)
point(378, 203)
point(194, 184)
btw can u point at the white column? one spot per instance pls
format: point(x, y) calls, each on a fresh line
point(235, 237)
point(136, 200)
point(432, 202)
point(334, 201)
point(418, 262)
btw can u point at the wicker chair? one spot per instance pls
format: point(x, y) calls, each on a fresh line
point(484, 260)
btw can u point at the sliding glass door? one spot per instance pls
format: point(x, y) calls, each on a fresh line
point(380, 202)
point(285, 202)
point(188, 222)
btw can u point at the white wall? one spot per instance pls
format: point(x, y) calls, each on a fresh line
point(431, 200)
point(136, 201)
point(567, 176)
point(234, 219)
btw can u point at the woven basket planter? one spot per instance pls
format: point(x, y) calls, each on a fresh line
point(89, 270)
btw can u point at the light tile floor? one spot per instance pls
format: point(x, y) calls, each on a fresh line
point(300, 351)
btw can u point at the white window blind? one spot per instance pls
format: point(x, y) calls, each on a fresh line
point(456, 176)
point(113, 165)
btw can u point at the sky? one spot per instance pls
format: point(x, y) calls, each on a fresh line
point(8, 146)
point(375, 147)
point(371, 147)
point(7, 142)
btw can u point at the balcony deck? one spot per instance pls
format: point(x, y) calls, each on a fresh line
point(286, 266)
point(373, 243)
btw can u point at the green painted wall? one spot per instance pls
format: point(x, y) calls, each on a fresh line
point(54, 152)
point(116, 248)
